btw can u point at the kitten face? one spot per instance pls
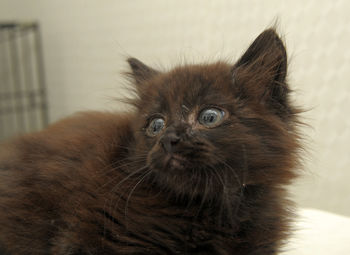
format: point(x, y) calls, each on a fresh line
point(189, 126)
point(212, 128)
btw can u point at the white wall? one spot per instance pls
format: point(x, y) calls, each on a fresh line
point(86, 43)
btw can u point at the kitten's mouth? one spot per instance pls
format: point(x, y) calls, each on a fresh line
point(175, 161)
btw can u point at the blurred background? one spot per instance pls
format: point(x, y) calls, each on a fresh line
point(59, 57)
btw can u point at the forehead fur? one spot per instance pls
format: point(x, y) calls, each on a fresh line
point(190, 85)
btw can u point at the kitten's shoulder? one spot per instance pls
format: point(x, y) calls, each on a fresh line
point(71, 134)
point(71, 146)
point(43, 175)
point(93, 124)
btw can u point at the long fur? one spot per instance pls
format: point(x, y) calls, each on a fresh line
point(96, 183)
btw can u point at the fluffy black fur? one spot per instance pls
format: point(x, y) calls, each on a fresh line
point(160, 180)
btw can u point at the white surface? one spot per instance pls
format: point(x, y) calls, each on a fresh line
point(320, 233)
point(86, 42)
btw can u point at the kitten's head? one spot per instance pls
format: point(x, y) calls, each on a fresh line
point(207, 129)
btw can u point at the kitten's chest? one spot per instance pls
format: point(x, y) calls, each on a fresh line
point(149, 222)
point(181, 234)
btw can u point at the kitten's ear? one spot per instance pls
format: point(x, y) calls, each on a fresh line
point(263, 67)
point(139, 71)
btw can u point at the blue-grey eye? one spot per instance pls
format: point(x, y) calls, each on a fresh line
point(155, 126)
point(211, 117)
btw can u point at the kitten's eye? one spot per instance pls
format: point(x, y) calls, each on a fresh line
point(155, 126)
point(211, 117)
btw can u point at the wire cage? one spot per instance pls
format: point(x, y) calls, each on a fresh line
point(23, 103)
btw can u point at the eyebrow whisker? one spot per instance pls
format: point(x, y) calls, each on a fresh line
point(185, 108)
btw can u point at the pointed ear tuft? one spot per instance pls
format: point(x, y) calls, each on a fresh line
point(139, 71)
point(263, 68)
point(269, 52)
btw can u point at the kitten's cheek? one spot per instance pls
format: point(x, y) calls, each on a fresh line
point(151, 154)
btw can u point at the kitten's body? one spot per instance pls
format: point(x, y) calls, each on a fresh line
point(97, 184)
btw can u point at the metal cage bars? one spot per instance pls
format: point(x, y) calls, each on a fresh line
point(23, 103)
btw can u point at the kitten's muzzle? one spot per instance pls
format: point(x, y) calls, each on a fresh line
point(170, 141)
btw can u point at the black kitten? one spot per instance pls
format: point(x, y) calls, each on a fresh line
point(198, 168)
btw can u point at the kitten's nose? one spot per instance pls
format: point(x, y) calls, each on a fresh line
point(169, 141)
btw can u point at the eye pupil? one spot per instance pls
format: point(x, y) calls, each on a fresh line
point(210, 117)
point(155, 126)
